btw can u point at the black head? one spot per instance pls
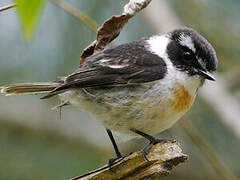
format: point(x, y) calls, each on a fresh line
point(192, 53)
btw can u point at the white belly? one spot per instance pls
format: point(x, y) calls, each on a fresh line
point(142, 108)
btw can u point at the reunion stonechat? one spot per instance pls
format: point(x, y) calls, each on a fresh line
point(138, 88)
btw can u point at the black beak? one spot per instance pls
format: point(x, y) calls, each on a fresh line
point(206, 75)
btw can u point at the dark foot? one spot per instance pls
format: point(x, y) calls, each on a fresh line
point(152, 142)
point(149, 146)
point(112, 161)
point(119, 157)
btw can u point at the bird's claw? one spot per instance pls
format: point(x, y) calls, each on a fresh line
point(149, 146)
point(113, 161)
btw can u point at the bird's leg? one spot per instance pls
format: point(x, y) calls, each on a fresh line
point(118, 154)
point(152, 141)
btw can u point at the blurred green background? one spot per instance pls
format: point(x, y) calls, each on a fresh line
point(35, 144)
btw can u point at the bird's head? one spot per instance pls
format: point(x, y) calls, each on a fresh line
point(192, 53)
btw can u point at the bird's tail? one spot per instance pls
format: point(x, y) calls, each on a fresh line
point(30, 88)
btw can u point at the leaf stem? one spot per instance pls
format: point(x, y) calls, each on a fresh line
point(7, 7)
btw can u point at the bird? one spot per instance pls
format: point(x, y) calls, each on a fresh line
point(137, 88)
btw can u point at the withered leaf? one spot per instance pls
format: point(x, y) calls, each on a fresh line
point(112, 27)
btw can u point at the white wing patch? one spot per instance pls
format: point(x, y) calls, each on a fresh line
point(116, 66)
point(104, 61)
point(109, 63)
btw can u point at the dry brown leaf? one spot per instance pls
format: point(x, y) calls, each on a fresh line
point(112, 27)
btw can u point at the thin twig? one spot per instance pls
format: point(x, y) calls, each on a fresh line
point(206, 149)
point(77, 14)
point(7, 7)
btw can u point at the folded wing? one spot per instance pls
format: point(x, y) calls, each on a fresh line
point(124, 65)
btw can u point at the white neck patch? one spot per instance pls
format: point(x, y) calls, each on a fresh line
point(158, 45)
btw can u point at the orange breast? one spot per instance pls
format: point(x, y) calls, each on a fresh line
point(182, 100)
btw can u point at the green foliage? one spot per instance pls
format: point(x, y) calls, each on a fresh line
point(29, 12)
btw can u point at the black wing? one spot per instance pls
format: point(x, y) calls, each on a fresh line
point(123, 65)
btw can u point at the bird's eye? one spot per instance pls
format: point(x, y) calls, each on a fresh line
point(188, 55)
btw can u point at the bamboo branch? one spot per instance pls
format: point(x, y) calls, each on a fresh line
point(163, 158)
point(77, 14)
point(207, 150)
point(7, 7)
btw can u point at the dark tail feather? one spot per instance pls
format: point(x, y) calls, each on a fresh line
point(57, 90)
point(30, 88)
point(51, 94)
